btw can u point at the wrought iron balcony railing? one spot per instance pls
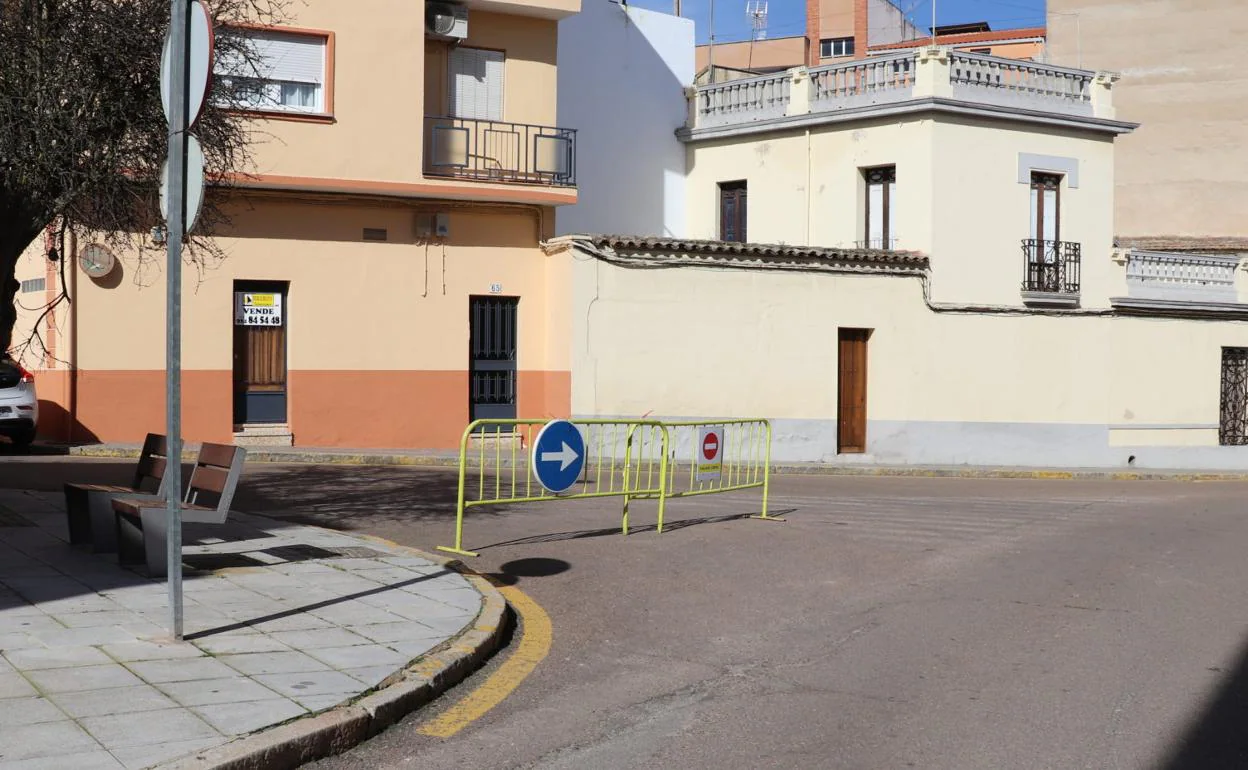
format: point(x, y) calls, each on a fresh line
point(885, 244)
point(494, 151)
point(1050, 267)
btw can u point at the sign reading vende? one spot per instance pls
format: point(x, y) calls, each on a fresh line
point(257, 308)
point(710, 451)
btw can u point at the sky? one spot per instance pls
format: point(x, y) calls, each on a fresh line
point(788, 17)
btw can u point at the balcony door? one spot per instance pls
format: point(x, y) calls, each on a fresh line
point(1045, 207)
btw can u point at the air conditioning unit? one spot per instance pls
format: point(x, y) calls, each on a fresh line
point(446, 20)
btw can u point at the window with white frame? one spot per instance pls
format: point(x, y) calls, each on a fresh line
point(476, 83)
point(286, 72)
point(881, 232)
point(836, 46)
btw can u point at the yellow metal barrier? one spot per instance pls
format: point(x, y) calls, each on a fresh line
point(630, 459)
point(744, 461)
point(623, 458)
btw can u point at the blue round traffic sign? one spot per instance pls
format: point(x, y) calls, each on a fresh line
point(558, 455)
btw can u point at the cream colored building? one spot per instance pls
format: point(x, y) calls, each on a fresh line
point(404, 177)
point(990, 321)
point(1182, 179)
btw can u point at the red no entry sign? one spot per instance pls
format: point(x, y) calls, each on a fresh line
point(710, 446)
point(710, 449)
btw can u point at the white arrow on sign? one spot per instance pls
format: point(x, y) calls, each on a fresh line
point(565, 456)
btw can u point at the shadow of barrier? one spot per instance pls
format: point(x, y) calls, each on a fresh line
point(628, 459)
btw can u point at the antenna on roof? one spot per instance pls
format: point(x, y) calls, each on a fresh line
point(756, 15)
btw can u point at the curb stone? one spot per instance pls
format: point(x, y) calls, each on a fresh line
point(795, 469)
point(305, 739)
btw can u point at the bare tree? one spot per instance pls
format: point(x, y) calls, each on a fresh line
point(83, 136)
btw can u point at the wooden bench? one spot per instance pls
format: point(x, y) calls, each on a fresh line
point(89, 506)
point(141, 523)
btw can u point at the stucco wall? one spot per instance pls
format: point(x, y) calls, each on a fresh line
point(377, 339)
point(943, 388)
point(382, 91)
point(622, 75)
point(1184, 70)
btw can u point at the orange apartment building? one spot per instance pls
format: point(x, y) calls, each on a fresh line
point(841, 30)
point(384, 282)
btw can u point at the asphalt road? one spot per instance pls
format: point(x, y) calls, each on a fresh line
point(890, 623)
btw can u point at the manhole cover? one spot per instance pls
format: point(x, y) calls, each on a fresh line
point(307, 552)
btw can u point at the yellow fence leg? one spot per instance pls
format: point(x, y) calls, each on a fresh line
point(459, 506)
point(665, 443)
point(628, 463)
point(767, 477)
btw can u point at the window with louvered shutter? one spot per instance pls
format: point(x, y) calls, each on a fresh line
point(289, 73)
point(476, 87)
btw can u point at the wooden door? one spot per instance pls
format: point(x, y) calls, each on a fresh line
point(851, 433)
point(260, 356)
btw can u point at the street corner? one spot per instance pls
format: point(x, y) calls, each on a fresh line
point(298, 640)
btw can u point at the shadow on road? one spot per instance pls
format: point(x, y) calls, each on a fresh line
point(1218, 737)
point(580, 534)
point(510, 573)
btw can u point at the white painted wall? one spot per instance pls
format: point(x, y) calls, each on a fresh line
point(697, 342)
point(622, 75)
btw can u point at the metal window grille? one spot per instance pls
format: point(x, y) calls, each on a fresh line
point(34, 284)
point(1233, 425)
point(492, 341)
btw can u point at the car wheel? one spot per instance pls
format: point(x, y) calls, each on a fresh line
point(24, 439)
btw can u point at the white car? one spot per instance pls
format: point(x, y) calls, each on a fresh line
point(19, 407)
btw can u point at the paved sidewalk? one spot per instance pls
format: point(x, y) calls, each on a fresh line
point(282, 621)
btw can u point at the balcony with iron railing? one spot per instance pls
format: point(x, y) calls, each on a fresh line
point(937, 76)
point(1051, 272)
point(497, 151)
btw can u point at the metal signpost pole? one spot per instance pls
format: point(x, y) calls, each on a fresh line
point(180, 36)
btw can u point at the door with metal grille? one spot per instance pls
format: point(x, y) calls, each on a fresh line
point(1233, 426)
point(492, 351)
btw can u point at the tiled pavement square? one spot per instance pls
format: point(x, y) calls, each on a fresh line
point(28, 711)
point(90, 636)
point(207, 692)
point(319, 637)
point(242, 718)
point(40, 658)
point(158, 671)
point(272, 663)
point(309, 683)
point(14, 685)
point(139, 757)
point(402, 631)
point(82, 678)
point(373, 675)
point(89, 760)
point(323, 701)
point(360, 655)
point(354, 613)
point(119, 700)
point(117, 731)
point(240, 641)
point(62, 737)
point(126, 652)
point(414, 649)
